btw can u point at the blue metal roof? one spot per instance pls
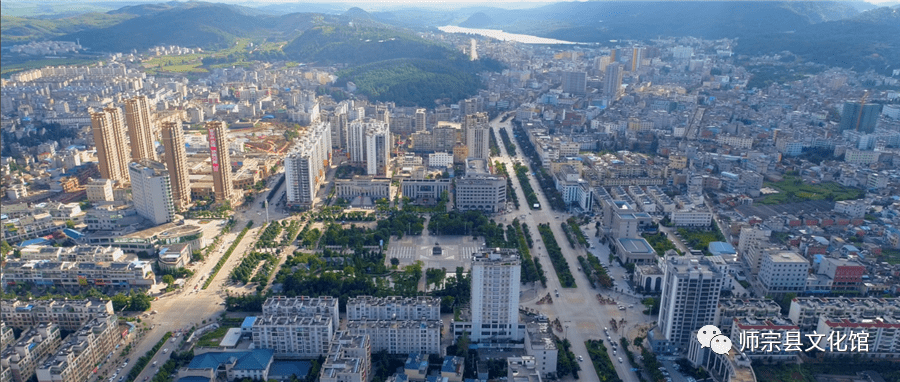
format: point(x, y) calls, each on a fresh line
point(194, 379)
point(257, 359)
point(248, 322)
point(450, 364)
point(73, 233)
point(284, 369)
point(416, 362)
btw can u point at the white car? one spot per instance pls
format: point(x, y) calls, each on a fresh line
point(620, 359)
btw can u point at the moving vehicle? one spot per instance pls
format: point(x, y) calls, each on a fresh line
point(620, 359)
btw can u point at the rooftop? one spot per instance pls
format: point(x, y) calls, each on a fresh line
point(636, 245)
point(257, 359)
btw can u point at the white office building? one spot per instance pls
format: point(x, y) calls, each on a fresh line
point(369, 144)
point(363, 308)
point(496, 279)
point(689, 299)
point(151, 190)
point(306, 163)
point(782, 273)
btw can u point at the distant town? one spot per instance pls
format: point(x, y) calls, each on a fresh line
point(580, 216)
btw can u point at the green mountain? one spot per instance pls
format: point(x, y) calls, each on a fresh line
point(206, 26)
point(359, 42)
point(866, 41)
point(391, 64)
point(15, 30)
point(412, 82)
point(478, 20)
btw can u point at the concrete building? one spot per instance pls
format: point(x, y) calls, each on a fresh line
point(522, 369)
point(478, 135)
point(635, 251)
point(133, 274)
point(612, 81)
point(174, 256)
point(805, 311)
point(744, 328)
point(378, 149)
point(400, 336)
point(690, 296)
point(33, 345)
point(294, 336)
point(881, 336)
point(236, 365)
point(452, 368)
point(425, 191)
point(70, 315)
point(845, 275)
point(99, 190)
point(176, 163)
point(109, 138)
point(480, 190)
point(736, 308)
point(782, 273)
point(574, 82)
point(349, 359)
point(306, 163)
point(151, 190)
point(81, 352)
point(421, 120)
point(363, 186)
point(862, 118)
point(220, 159)
point(540, 344)
point(140, 128)
point(440, 160)
point(363, 308)
point(751, 243)
point(496, 277)
point(303, 306)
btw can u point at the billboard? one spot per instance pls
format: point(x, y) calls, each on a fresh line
point(213, 150)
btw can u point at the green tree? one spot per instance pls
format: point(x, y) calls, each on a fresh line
point(120, 302)
point(140, 302)
point(394, 261)
point(168, 279)
point(70, 224)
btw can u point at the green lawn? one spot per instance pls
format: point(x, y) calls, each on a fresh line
point(890, 255)
point(212, 338)
point(660, 242)
point(793, 189)
point(700, 238)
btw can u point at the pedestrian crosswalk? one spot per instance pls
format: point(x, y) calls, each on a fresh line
point(465, 253)
point(402, 252)
point(413, 253)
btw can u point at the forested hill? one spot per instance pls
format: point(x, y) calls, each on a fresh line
point(360, 42)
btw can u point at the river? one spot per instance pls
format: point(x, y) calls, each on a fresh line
point(503, 36)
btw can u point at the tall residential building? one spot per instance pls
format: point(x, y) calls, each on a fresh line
point(637, 54)
point(306, 164)
point(496, 277)
point(862, 118)
point(473, 51)
point(690, 296)
point(81, 352)
point(176, 163)
point(478, 132)
point(33, 345)
point(378, 149)
point(311, 323)
point(140, 129)
point(393, 308)
point(751, 243)
point(151, 191)
point(421, 120)
point(574, 82)
point(349, 359)
point(109, 138)
point(68, 314)
point(612, 81)
point(782, 273)
point(356, 138)
point(221, 161)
